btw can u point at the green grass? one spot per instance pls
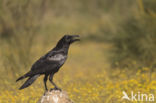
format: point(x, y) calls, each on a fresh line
point(86, 76)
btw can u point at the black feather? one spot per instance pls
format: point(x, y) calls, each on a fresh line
point(29, 81)
point(50, 63)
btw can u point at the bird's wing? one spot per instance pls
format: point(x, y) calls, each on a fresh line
point(56, 57)
point(50, 60)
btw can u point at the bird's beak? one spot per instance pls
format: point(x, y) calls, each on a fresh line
point(75, 38)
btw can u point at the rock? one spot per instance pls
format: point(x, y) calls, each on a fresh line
point(55, 96)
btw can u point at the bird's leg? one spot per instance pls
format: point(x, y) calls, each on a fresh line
point(51, 80)
point(45, 80)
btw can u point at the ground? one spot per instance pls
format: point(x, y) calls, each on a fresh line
point(87, 77)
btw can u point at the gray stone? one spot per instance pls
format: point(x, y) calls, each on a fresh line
point(55, 96)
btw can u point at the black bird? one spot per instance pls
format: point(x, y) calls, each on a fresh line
point(50, 63)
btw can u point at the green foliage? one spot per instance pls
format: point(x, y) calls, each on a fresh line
point(135, 41)
point(18, 28)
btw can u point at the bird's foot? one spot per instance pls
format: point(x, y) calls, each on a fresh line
point(45, 92)
point(55, 88)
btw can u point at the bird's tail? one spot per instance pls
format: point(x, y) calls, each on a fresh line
point(29, 81)
point(22, 77)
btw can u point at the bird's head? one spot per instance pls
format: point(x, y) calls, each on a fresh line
point(68, 39)
point(71, 38)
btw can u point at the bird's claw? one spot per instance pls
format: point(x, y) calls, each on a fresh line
point(55, 88)
point(45, 92)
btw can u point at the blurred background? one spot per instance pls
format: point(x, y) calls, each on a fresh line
point(117, 50)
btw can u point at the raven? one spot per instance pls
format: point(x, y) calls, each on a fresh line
point(50, 63)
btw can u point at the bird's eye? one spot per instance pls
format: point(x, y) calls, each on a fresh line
point(67, 39)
